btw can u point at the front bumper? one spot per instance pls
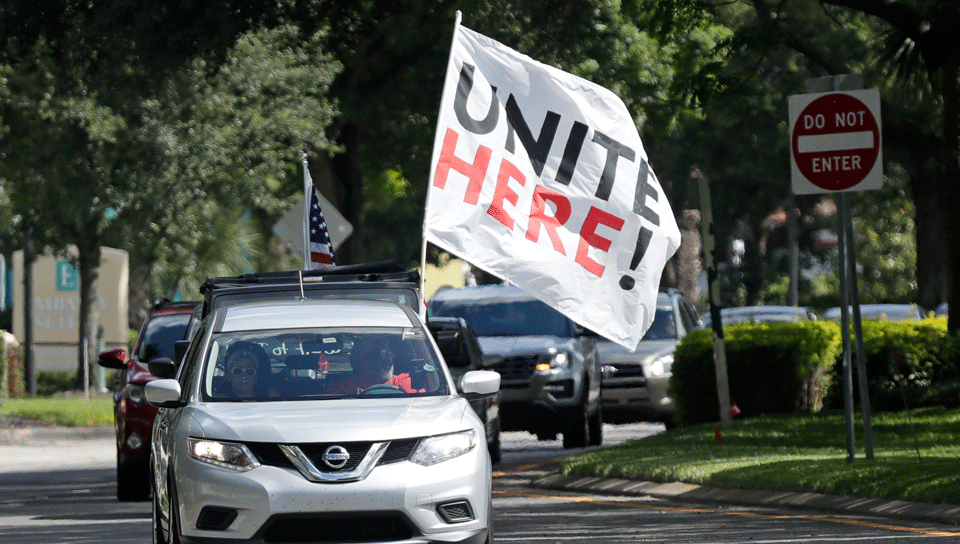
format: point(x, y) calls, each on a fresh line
point(400, 502)
point(537, 404)
point(649, 398)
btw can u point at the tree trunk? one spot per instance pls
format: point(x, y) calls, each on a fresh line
point(753, 265)
point(346, 166)
point(951, 180)
point(689, 267)
point(933, 270)
point(88, 248)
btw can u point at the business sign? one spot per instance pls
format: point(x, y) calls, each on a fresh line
point(835, 142)
point(56, 306)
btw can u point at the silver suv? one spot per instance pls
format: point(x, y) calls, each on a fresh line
point(327, 420)
point(636, 385)
point(549, 372)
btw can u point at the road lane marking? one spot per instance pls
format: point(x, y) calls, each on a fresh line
point(580, 499)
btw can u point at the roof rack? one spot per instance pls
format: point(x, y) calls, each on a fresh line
point(365, 272)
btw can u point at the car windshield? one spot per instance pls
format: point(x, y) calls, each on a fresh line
point(314, 364)
point(161, 333)
point(507, 318)
point(664, 327)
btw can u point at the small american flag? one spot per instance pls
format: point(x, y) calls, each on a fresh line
point(321, 248)
point(318, 252)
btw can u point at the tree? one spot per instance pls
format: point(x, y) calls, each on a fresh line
point(919, 57)
point(82, 137)
point(394, 56)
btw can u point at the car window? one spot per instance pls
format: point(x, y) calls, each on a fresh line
point(513, 318)
point(664, 326)
point(160, 334)
point(310, 364)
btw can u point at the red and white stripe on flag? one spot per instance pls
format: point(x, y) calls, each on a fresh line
point(539, 177)
point(319, 250)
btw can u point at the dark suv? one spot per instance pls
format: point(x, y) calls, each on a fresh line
point(165, 324)
point(461, 350)
point(549, 371)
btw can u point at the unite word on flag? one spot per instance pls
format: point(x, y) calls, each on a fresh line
point(539, 177)
point(318, 249)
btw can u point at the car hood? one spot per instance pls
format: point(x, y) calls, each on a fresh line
point(332, 420)
point(648, 350)
point(500, 346)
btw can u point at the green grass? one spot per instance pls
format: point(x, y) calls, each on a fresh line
point(69, 411)
point(805, 453)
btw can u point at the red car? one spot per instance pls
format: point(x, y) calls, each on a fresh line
point(165, 324)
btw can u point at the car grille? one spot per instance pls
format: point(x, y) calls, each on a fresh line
point(372, 527)
point(271, 454)
point(626, 375)
point(517, 368)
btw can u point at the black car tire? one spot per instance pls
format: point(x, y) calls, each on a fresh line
point(157, 536)
point(174, 514)
point(133, 478)
point(577, 433)
point(596, 427)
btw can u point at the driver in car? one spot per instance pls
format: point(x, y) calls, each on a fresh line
point(372, 361)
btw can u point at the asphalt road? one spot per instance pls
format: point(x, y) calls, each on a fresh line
point(43, 504)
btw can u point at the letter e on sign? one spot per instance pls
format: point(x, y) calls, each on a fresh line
point(835, 142)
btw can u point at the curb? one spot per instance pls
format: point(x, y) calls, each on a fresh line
point(938, 513)
point(46, 434)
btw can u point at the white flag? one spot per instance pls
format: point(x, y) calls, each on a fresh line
point(539, 177)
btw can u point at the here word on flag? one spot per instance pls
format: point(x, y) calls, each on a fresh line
point(539, 177)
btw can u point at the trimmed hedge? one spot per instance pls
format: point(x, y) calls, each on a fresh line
point(912, 359)
point(772, 368)
point(778, 368)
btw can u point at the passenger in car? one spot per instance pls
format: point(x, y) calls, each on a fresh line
point(372, 361)
point(247, 373)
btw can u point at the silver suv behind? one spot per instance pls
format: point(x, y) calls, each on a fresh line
point(636, 385)
point(549, 372)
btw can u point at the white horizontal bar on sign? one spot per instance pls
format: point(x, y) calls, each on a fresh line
point(835, 142)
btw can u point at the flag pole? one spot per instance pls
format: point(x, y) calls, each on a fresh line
point(433, 160)
point(307, 187)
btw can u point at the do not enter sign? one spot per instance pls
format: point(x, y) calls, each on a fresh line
point(835, 142)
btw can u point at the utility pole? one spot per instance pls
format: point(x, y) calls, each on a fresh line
point(29, 362)
point(719, 346)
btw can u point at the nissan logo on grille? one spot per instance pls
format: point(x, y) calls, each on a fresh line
point(336, 457)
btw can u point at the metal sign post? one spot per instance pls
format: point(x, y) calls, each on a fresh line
point(836, 148)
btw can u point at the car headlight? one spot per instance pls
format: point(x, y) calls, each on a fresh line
point(559, 359)
point(437, 449)
point(661, 365)
point(135, 393)
point(223, 454)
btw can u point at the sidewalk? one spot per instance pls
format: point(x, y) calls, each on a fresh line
point(26, 448)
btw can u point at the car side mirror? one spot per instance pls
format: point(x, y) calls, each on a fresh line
point(164, 393)
point(479, 384)
point(115, 358)
point(179, 350)
point(163, 367)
